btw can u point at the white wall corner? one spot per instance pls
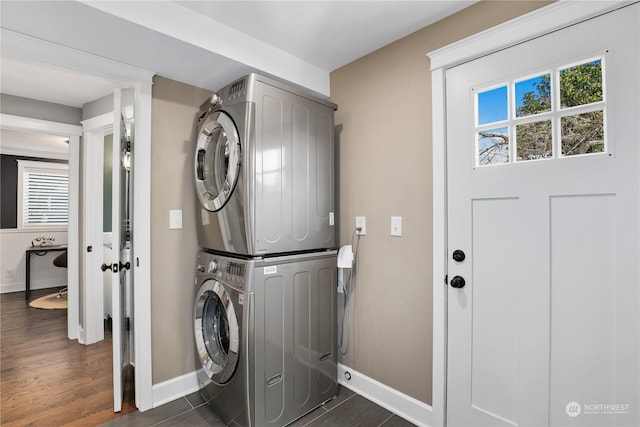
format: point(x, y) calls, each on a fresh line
point(175, 388)
point(405, 406)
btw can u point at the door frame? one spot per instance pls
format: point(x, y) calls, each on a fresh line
point(73, 132)
point(31, 49)
point(526, 27)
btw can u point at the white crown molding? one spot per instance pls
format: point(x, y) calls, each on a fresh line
point(8, 121)
point(41, 154)
point(526, 27)
point(103, 121)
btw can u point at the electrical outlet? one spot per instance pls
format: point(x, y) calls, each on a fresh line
point(9, 274)
point(361, 223)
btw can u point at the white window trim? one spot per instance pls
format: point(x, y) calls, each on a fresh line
point(36, 166)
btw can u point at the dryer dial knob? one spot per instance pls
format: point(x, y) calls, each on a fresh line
point(213, 266)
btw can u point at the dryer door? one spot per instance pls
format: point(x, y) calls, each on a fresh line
point(217, 332)
point(217, 162)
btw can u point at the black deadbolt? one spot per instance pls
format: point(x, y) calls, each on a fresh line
point(457, 282)
point(458, 255)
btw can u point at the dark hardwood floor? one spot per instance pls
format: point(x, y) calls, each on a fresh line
point(47, 379)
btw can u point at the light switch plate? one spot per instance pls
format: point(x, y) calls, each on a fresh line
point(175, 219)
point(396, 226)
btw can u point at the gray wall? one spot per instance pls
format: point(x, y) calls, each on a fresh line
point(104, 105)
point(97, 107)
point(25, 107)
point(173, 252)
point(384, 147)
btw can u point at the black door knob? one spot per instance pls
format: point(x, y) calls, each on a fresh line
point(457, 282)
point(458, 255)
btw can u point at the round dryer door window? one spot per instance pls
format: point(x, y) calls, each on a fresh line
point(217, 332)
point(217, 162)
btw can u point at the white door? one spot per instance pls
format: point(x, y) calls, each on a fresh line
point(121, 262)
point(543, 201)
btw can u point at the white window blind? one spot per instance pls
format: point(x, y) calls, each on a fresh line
point(44, 194)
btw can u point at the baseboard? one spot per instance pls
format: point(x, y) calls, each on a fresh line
point(175, 388)
point(404, 406)
point(6, 288)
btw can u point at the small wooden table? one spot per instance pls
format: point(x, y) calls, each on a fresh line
point(37, 249)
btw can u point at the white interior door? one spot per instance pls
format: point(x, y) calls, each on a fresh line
point(121, 262)
point(543, 324)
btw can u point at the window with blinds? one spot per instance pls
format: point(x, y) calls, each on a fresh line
point(44, 194)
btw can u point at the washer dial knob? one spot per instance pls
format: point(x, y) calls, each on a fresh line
point(213, 266)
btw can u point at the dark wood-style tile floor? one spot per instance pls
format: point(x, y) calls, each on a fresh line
point(347, 410)
point(47, 379)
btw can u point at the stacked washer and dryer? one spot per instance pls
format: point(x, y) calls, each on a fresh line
point(265, 308)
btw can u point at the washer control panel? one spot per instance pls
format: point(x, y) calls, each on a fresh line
point(232, 272)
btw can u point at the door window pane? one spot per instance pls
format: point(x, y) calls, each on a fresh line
point(581, 84)
point(534, 141)
point(493, 147)
point(549, 115)
point(533, 95)
point(583, 133)
point(492, 106)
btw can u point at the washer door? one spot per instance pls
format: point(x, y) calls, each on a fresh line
point(216, 330)
point(217, 162)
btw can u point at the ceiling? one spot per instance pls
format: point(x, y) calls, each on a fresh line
point(203, 43)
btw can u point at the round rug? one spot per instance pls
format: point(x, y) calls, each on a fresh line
point(50, 302)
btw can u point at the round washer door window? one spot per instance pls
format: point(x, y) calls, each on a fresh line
point(217, 162)
point(216, 331)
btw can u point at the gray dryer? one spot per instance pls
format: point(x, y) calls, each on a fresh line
point(264, 169)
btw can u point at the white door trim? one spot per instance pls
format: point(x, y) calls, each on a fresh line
point(95, 129)
point(73, 132)
point(542, 21)
point(31, 49)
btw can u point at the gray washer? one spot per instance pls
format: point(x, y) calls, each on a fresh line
point(264, 169)
point(266, 335)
